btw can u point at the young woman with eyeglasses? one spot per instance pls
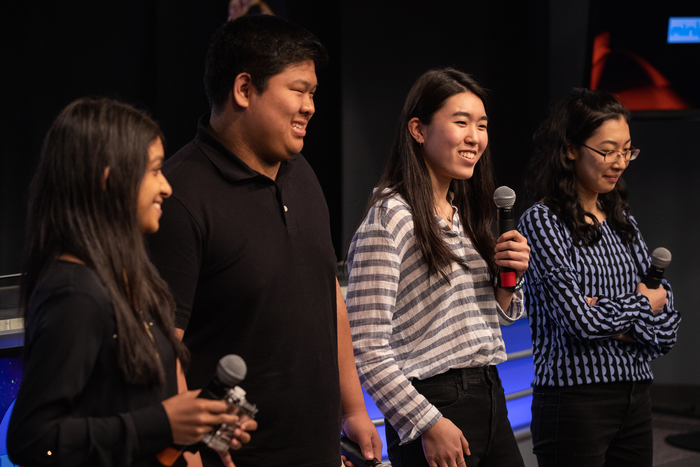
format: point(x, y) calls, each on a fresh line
point(595, 325)
point(99, 384)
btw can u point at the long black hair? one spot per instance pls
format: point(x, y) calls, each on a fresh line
point(406, 173)
point(551, 176)
point(73, 209)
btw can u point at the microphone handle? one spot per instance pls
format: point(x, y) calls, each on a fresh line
point(653, 278)
point(506, 222)
point(507, 279)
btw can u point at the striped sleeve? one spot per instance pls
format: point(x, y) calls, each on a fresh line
point(553, 271)
point(515, 310)
point(374, 263)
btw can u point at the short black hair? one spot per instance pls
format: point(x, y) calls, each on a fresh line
point(261, 45)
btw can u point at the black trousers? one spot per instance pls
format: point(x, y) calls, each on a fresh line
point(472, 399)
point(593, 425)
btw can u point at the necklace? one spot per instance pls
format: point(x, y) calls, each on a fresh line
point(442, 214)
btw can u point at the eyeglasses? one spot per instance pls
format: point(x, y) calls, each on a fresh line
point(614, 156)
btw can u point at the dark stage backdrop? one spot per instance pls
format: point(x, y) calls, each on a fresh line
point(147, 52)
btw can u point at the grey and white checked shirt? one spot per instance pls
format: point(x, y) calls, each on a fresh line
point(407, 324)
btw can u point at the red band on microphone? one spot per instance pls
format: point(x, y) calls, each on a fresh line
point(508, 279)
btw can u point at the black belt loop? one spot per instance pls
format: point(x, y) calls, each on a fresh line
point(487, 370)
point(465, 379)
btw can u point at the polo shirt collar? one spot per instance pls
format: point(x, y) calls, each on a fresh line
point(231, 167)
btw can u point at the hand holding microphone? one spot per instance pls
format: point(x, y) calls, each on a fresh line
point(650, 286)
point(512, 251)
point(353, 453)
point(191, 418)
point(221, 405)
point(223, 386)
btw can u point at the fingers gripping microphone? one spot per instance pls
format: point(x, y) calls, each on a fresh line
point(223, 386)
point(231, 371)
point(504, 198)
point(353, 453)
point(660, 259)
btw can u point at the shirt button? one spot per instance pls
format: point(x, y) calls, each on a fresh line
point(285, 209)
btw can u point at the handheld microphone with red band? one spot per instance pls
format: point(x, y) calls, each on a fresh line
point(504, 198)
point(223, 386)
point(660, 259)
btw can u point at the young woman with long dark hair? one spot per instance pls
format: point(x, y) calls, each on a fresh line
point(595, 325)
point(100, 384)
point(423, 306)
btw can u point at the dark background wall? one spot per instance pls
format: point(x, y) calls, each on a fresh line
point(151, 53)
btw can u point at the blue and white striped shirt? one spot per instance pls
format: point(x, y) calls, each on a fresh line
point(408, 324)
point(572, 342)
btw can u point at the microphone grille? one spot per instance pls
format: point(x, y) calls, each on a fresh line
point(504, 197)
point(231, 370)
point(661, 258)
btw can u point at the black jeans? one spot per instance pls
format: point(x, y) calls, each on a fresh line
point(472, 399)
point(593, 425)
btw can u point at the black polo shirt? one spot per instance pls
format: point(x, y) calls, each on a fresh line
point(252, 268)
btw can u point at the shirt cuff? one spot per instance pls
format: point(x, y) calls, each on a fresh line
point(152, 428)
point(515, 310)
point(424, 424)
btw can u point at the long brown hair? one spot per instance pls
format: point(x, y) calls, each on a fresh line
point(73, 209)
point(406, 173)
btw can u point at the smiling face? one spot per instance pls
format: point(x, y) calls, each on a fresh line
point(277, 117)
point(153, 190)
point(454, 140)
point(594, 175)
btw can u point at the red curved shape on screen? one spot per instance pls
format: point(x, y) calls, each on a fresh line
point(657, 95)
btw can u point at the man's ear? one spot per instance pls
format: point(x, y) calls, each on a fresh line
point(242, 88)
point(415, 127)
point(105, 174)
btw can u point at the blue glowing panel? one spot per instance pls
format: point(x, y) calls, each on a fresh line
point(517, 336)
point(517, 374)
point(372, 409)
point(683, 30)
point(10, 379)
point(382, 435)
point(519, 413)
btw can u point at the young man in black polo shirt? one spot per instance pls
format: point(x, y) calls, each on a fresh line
point(245, 246)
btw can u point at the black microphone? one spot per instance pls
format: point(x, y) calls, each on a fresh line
point(223, 386)
point(504, 198)
point(660, 259)
point(230, 371)
point(353, 453)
